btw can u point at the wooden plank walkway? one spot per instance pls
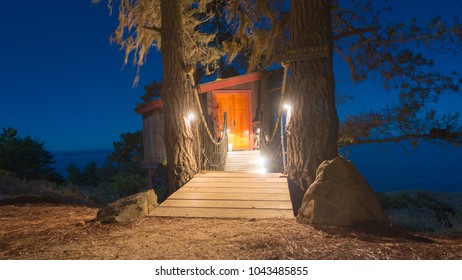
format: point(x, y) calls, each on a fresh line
point(244, 161)
point(230, 195)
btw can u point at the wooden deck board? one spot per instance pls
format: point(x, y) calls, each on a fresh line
point(249, 204)
point(231, 194)
point(219, 174)
point(222, 213)
point(238, 180)
point(242, 185)
point(190, 189)
point(243, 161)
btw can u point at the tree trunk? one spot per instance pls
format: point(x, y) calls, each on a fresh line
point(177, 103)
point(313, 128)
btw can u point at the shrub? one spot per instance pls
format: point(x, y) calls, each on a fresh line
point(26, 157)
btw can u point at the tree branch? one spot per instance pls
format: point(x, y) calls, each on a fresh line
point(153, 28)
point(355, 32)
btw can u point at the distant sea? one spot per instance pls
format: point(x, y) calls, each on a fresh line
point(394, 167)
point(387, 167)
point(80, 158)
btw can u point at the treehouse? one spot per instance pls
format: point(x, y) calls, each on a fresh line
point(250, 102)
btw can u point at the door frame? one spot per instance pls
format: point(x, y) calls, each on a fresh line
point(248, 93)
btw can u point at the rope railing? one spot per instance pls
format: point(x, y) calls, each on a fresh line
point(199, 106)
point(212, 151)
point(281, 102)
point(214, 156)
point(274, 151)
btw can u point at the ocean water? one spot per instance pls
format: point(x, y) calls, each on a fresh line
point(387, 167)
point(393, 167)
point(80, 158)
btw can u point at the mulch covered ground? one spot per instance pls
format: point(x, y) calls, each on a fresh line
point(52, 231)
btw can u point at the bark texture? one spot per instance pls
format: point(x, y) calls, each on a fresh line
point(313, 128)
point(179, 131)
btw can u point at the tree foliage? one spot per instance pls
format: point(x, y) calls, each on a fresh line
point(260, 30)
point(129, 148)
point(399, 55)
point(139, 30)
point(151, 91)
point(119, 176)
point(26, 157)
point(214, 19)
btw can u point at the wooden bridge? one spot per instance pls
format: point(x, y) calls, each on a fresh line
point(241, 191)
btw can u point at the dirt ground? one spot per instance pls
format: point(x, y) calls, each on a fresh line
point(50, 231)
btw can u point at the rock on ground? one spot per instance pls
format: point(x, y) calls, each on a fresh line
point(340, 196)
point(128, 208)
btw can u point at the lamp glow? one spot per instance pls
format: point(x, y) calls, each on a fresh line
point(191, 116)
point(261, 161)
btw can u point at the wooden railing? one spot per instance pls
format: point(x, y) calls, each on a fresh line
point(213, 151)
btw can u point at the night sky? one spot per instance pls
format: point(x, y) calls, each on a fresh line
point(64, 83)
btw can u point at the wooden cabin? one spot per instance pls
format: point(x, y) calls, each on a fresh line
point(238, 97)
point(250, 101)
point(153, 136)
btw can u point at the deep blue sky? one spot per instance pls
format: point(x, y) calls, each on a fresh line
point(60, 78)
point(64, 83)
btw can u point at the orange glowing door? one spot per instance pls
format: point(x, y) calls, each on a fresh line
point(237, 108)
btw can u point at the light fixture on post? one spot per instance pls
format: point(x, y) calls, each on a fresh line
point(191, 116)
point(288, 109)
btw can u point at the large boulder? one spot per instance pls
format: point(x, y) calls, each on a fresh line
point(128, 208)
point(340, 196)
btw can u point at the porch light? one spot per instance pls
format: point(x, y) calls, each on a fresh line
point(191, 116)
point(287, 106)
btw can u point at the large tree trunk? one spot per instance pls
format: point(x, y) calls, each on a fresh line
point(179, 134)
point(313, 128)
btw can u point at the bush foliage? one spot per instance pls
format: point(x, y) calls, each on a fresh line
point(26, 158)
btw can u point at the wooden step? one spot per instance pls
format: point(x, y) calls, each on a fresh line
point(231, 204)
point(222, 213)
point(232, 196)
point(230, 189)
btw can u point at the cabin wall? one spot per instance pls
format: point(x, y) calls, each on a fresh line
point(153, 138)
point(256, 91)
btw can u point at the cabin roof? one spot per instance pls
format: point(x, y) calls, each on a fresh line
point(229, 82)
point(215, 85)
point(151, 105)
